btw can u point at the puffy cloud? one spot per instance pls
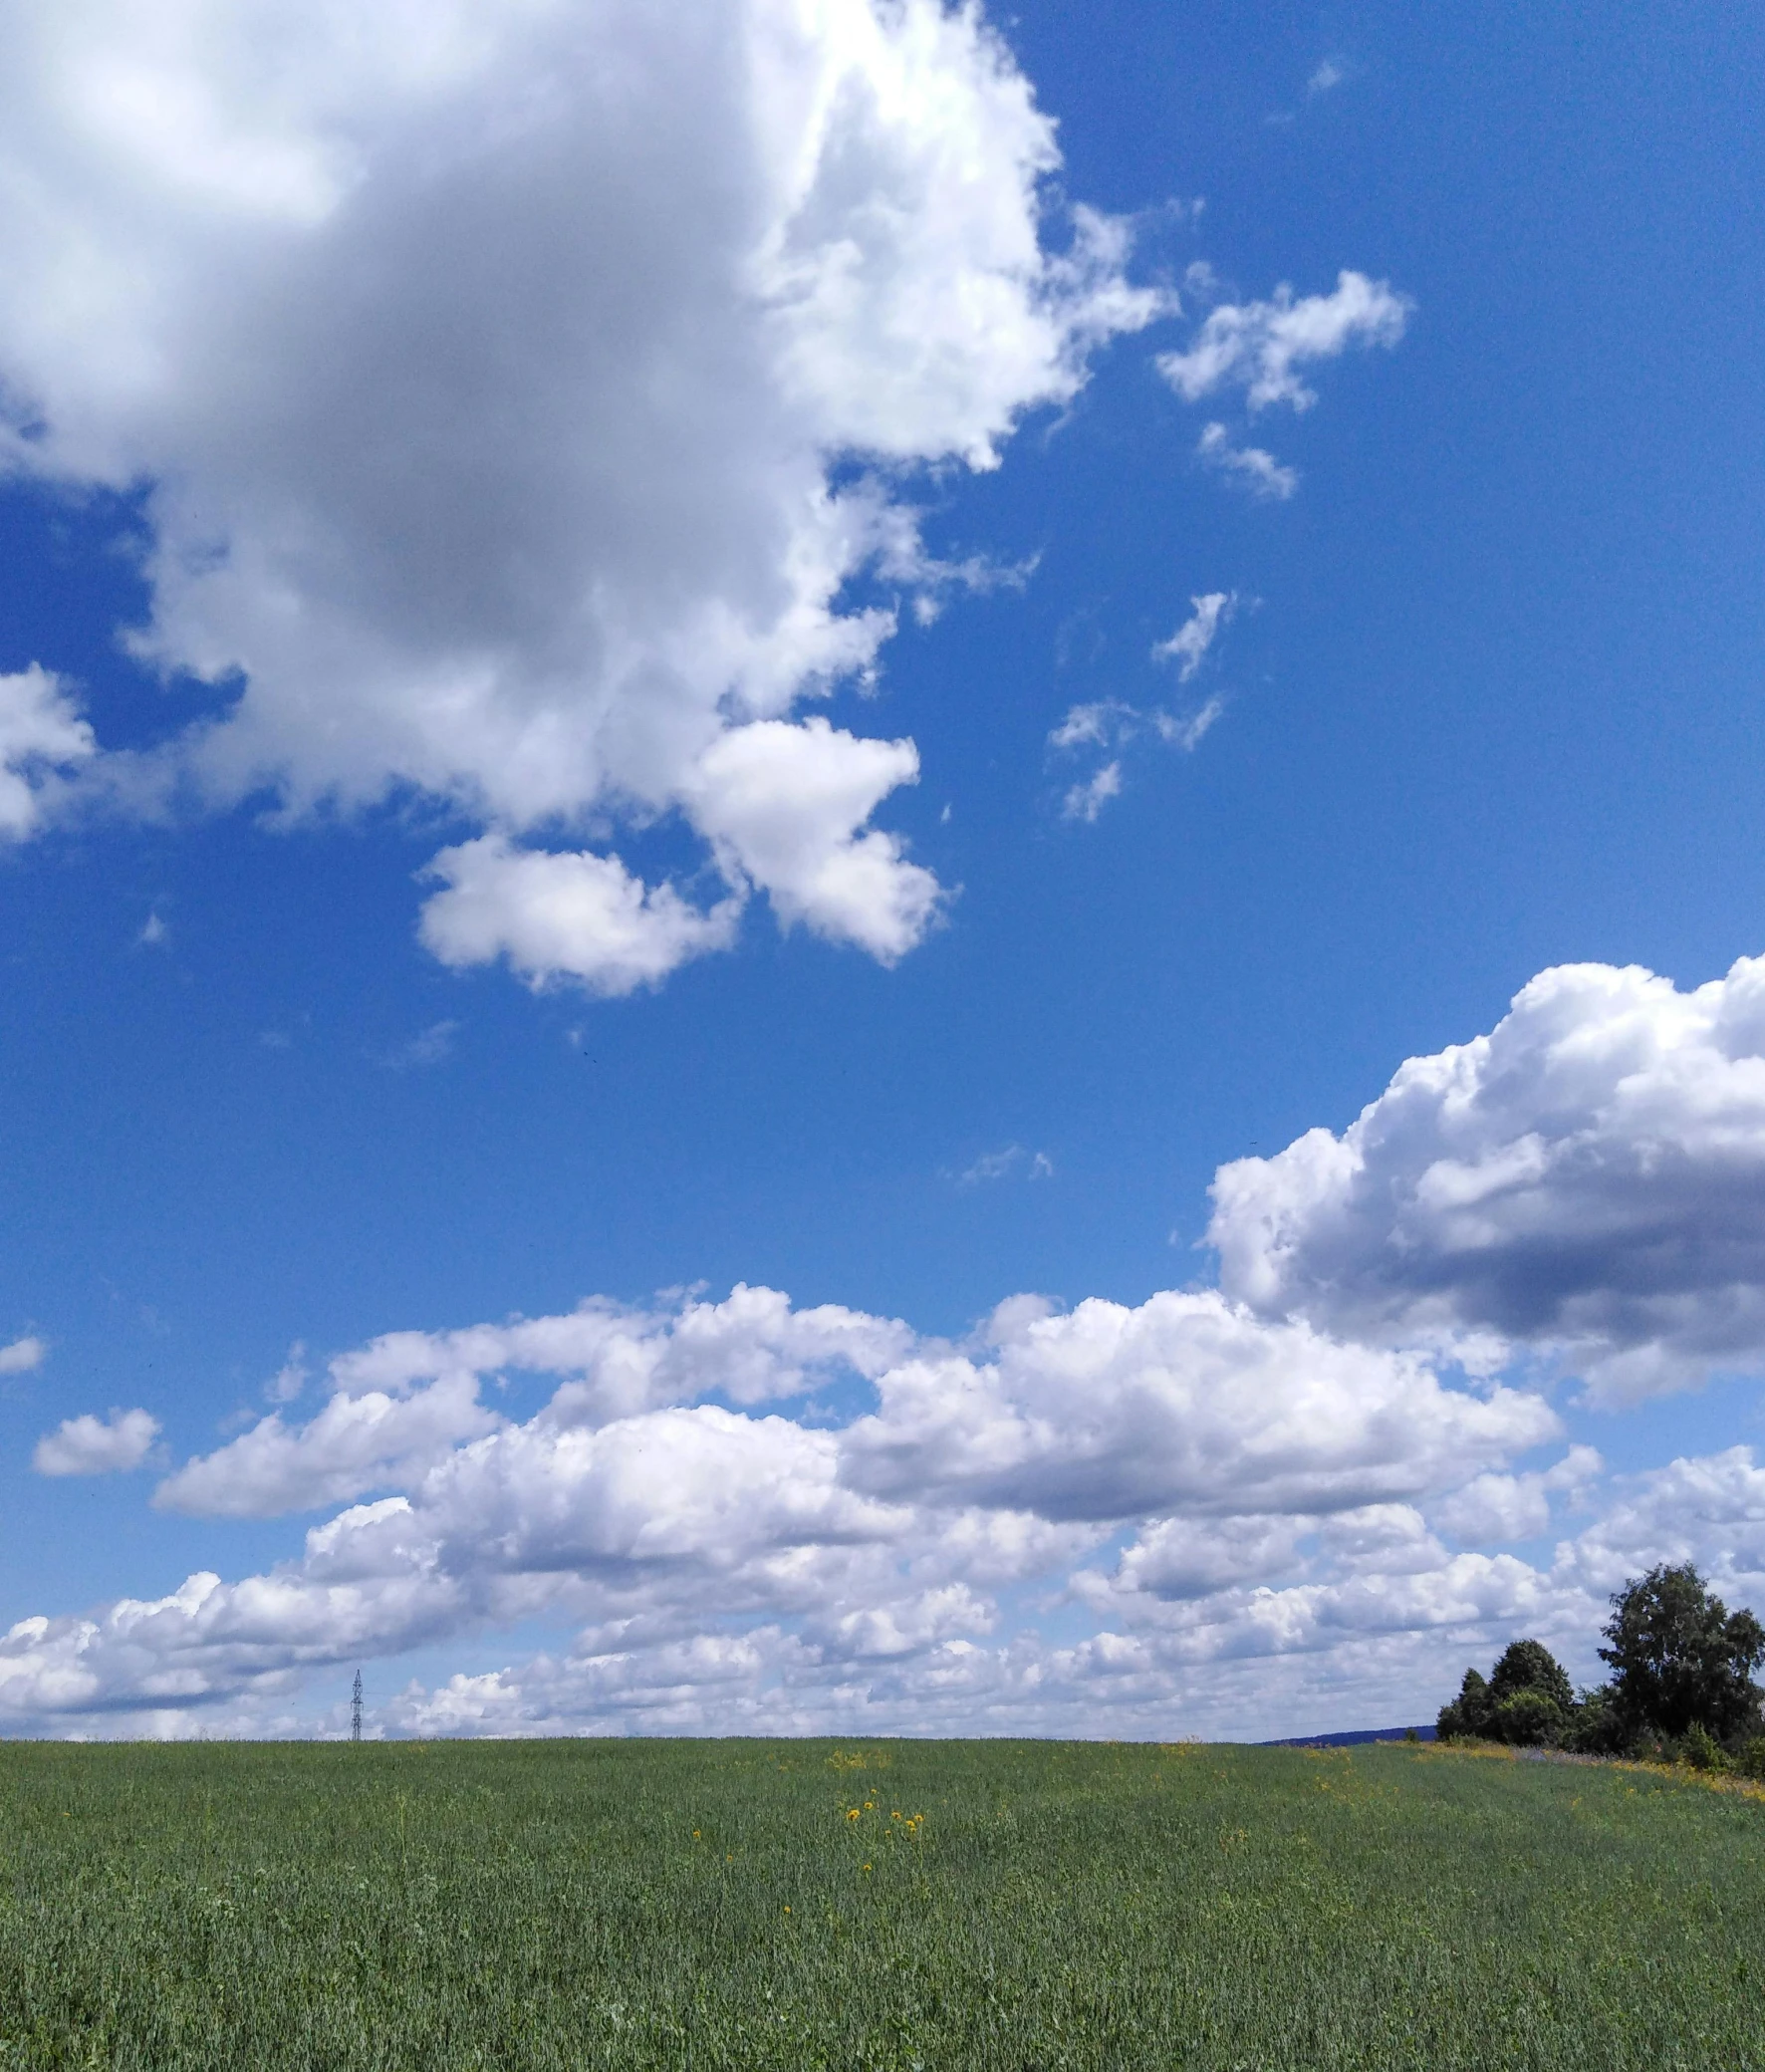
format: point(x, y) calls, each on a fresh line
point(724, 1562)
point(1253, 468)
point(89, 1445)
point(1587, 1181)
point(564, 915)
point(1185, 1402)
point(42, 736)
point(1189, 645)
point(1709, 1509)
point(1259, 347)
point(403, 1402)
point(518, 389)
point(782, 806)
point(1507, 1508)
point(22, 1354)
point(354, 1444)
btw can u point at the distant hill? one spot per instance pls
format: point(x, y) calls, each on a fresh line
point(1369, 1734)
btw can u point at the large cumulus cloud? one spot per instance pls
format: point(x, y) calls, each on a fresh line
point(1587, 1181)
point(515, 389)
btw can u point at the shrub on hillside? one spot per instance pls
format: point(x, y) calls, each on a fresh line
point(1596, 1729)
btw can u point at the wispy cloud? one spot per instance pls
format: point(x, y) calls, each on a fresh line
point(1331, 72)
point(1010, 1163)
point(1187, 734)
point(1189, 645)
point(1107, 725)
point(1255, 468)
point(1086, 800)
point(1259, 347)
point(430, 1046)
point(290, 1377)
point(1095, 724)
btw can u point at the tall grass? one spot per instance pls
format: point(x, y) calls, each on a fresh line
point(709, 1904)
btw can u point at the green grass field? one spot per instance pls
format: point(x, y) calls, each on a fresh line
point(1035, 1905)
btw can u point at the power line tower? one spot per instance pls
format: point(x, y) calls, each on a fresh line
point(356, 1709)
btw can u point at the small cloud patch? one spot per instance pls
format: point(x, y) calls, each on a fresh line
point(92, 1445)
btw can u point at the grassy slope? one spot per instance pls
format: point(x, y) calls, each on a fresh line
point(1062, 1905)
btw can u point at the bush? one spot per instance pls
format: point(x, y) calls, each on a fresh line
point(1751, 1761)
point(1595, 1726)
point(1527, 1719)
point(1701, 1749)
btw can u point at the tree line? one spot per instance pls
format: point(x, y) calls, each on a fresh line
point(1682, 1684)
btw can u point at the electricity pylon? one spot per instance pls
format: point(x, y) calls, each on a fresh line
point(356, 1709)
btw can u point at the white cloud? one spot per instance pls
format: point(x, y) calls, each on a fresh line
point(22, 1354)
point(1260, 346)
point(1331, 72)
point(92, 1445)
point(1253, 468)
point(1587, 1181)
point(1087, 798)
point(404, 1403)
point(723, 1562)
point(1107, 1413)
point(553, 916)
point(1710, 1510)
point(42, 737)
point(1508, 1507)
point(498, 374)
point(783, 805)
point(354, 1444)
point(1189, 645)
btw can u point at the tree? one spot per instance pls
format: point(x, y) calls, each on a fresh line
point(1680, 1658)
point(1530, 1665)
point(1464, 1719)
point(1527, 1700)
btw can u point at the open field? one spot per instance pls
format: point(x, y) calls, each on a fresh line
point(704, 1904)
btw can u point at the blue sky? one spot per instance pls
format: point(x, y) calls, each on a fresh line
point(1480, 701)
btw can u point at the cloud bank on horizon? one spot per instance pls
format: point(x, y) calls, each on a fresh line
point(1341, 1464)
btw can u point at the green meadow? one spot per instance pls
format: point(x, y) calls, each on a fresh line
point(1024, 1906)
